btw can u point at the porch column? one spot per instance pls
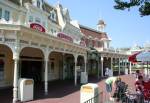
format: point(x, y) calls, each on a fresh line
point(75, 71)
point(125, 64)
point(98, 67)
point(102, 69)
point(46, 72)
point(112, 65)
point(130, 67)
point(16, 61)
point(119, 66)
point(85, 61)
point(15, 84)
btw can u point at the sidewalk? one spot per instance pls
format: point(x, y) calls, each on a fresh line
point(74, 97)
point(63, 91)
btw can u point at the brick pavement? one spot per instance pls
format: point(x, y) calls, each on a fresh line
point(74, 97)
point(64, 92)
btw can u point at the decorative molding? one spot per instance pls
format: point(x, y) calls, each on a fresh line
point(9, 40)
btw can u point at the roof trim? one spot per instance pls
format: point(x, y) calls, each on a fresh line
point(85, 27)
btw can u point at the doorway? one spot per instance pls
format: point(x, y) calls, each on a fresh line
point(32, 69)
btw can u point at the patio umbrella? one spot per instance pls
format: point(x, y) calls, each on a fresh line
point(144, 57)
point(132, 58)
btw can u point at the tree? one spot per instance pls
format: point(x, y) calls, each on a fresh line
point(144, 5)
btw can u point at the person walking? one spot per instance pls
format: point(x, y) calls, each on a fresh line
point(107, 72)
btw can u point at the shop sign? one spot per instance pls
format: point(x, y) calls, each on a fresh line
point(65, 37)
point(37, 27)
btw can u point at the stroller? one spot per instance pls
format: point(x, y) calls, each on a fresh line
point(120, 91)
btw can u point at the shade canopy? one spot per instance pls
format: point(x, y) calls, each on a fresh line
point(143, 56)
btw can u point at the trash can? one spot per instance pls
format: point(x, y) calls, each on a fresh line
point(83, 78)
point(25, 89)
point(126, 71)
point(89, 93)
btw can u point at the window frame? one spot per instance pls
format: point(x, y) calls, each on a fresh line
point(31, 18)
point(38, 20)
point(53, 15)
point(7, 15)
point(38, 4)
point(1, 13)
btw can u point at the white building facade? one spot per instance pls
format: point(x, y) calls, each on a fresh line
point(38, 41)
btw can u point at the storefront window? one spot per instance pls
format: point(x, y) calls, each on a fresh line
point(1, 69)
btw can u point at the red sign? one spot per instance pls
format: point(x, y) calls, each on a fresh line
point(37, 27)
point(65, 37)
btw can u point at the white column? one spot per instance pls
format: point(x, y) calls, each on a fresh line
point(46, 72)
point(46, 77)
point(119, 66)
point(98, 68)
point(85, 61)
point(125, 64)
point(122, 65)
point(102, 69)
point(130, 67)
point(75, 71)
point(15, 84)
point(16, 60)
point(112, 65)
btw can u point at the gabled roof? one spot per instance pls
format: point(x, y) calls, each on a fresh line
point(89, 32)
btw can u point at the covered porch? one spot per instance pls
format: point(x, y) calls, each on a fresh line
point(42, 52)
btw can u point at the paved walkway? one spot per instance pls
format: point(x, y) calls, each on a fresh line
point(74, 96)
point(63, 92)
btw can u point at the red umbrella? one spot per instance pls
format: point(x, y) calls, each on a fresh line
point(132, 58)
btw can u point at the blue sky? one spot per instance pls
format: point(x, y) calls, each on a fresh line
point(125, 28)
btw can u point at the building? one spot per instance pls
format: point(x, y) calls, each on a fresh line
point(38, 41)
point(102, 55)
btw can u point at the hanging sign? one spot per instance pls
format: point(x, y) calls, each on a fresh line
point(37, 27)
point(65, 37)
